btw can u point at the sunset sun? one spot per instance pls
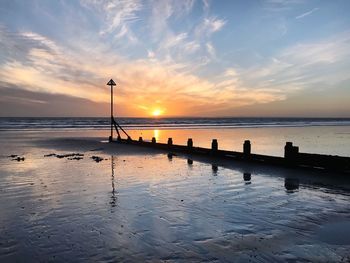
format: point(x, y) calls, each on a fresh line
point(157, 112)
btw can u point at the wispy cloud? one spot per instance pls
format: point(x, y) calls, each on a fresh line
point(117, 16)
point(211, 50)
point(181, 46)
point(209, 26)
point(307, 13)
point(163, 11)
point(206, 5)
point(305, 66)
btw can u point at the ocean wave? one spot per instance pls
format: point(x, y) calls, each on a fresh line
point(164, 123)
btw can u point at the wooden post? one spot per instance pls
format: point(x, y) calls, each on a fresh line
point(291, 153)
point(170, 141)
point(288, 150)
point(295, 151)
point(215, 168)
point(246, 148)
point(247, 176)
point(291, 184)
point(214, 145)
point(153, 140)
point(190, 143)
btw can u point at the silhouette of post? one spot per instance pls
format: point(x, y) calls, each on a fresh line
point(247, 177)
point(214, 145)
point(288, 149)
point(190, 143)
point(291, 152)
point(111, 83)
point(246, 148)
point(291, 184)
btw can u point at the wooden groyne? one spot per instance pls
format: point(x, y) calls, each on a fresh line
point(292, 156)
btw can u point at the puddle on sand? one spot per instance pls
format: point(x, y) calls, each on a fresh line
point(335, 233)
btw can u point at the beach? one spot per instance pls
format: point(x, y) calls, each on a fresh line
point(174, 131)
point(75, 198)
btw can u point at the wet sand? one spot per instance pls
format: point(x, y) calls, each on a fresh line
point(137, 204)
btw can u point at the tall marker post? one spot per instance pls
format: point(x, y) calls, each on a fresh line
point(111, 83)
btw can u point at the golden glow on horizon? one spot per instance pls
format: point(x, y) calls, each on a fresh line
point(157, 112)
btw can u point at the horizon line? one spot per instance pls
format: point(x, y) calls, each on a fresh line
point(185, 117)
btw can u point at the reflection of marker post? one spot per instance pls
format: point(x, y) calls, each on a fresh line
point(111, 83)
point(113, 197)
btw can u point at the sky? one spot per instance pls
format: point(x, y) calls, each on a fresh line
point(283, 58)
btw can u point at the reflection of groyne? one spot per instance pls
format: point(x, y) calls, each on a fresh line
point(292, 156)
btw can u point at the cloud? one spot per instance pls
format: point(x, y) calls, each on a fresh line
point(211, 50)
point(150, 54)
point(230, 72)
point(163, 11)
point(191, 47)
point(174, 40)
point(206, 5)
point(308, 65)
point(46, 68)
point(182, 8)
point(17, 45)
point(181, 46)
point(209, 26)
point(19, 102)
point(307, 13)
point(117, 16)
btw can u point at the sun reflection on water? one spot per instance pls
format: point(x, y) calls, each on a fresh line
point(156, 134)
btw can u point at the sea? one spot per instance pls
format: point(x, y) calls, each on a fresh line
point(99, 123)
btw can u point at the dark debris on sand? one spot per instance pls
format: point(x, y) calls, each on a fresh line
point(97, 159)
point(75, 158)
point(16, 157)
point(69, 156)
point(50, 155)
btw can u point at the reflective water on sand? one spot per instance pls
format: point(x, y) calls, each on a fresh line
point(138, 205)
point(333, 140)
